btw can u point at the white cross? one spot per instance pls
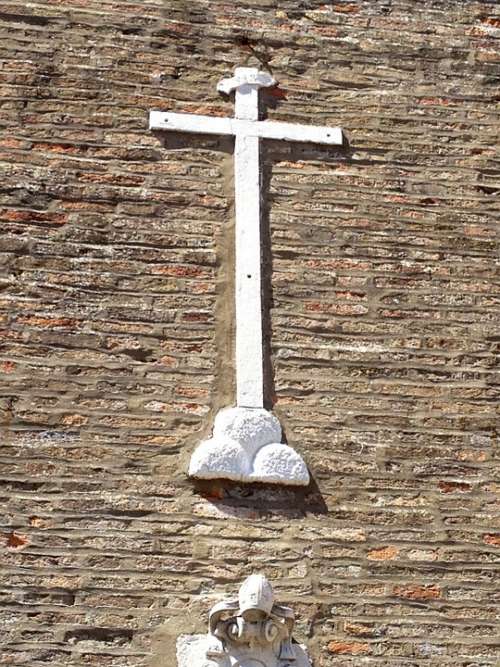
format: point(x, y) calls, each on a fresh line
point(247, 130)
point(246, 444)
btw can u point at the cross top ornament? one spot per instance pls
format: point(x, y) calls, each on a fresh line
point(246, 444)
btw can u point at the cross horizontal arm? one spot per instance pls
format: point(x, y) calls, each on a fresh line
point(186, 122)
point(291, 132)
point(190, 122)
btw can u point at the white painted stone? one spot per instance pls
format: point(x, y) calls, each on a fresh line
point(245, 442)
point(256, 593)
point(250, 631)
point(194, 651)
point(264, 129)
point(249, 76)
point(248, 290)
point(248, 130)
point(279, 464)
point(220, 457)
point(252, 427)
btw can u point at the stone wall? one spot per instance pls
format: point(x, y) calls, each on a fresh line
point(382, 265)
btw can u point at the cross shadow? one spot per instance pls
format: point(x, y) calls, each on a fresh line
point(172, 140)
point(271, 153)
point(259, 501)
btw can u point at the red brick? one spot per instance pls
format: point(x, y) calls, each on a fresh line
point(453, 487)
point(349, 648)
point(384, 553)
point(16, 541)
point(7, 366)
point(416, 592)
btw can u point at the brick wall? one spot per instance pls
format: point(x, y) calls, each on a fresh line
point(115, 308)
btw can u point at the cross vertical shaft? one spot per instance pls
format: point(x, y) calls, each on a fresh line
point(248, 297)
point(249, 354)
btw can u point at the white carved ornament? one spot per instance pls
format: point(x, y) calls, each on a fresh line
point(246, 443)
point(249, 631)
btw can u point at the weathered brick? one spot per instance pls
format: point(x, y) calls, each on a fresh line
point(416, 592)
point(351, 648)
point(381, 256)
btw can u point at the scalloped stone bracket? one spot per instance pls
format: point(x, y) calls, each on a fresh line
point(246, 446)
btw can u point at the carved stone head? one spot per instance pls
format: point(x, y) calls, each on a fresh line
point(255, 595)
point(251, 630)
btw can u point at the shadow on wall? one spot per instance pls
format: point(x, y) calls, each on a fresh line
point(258, 501)
point(273, 152)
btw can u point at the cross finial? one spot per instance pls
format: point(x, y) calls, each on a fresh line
point(246, 82)
point(246, 76)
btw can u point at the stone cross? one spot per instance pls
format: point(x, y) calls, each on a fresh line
point(243, 423)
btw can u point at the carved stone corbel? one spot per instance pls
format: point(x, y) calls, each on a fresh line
point(248, 631)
